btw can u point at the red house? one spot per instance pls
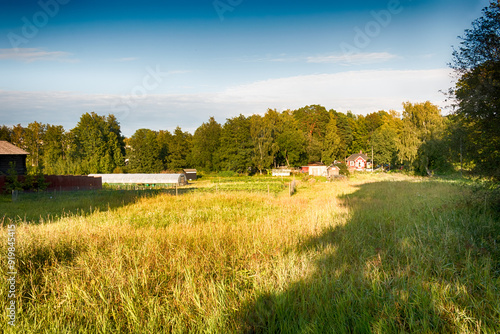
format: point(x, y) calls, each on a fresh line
point(357, 161)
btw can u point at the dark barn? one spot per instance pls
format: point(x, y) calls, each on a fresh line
point(190, 174)
point(10, 153)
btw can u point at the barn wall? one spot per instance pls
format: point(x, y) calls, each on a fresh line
point(19, 160)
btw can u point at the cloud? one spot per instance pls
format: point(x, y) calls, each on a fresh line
point(362, 92)
point(353, 59)
point(126, 59)
point(34, 54)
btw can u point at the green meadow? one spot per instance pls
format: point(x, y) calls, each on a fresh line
point(373, 254)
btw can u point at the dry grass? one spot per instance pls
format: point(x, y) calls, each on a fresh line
point(369, 255)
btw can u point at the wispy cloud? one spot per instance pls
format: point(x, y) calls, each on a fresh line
point(360, 91)
point(124, 59)
point(332, 58)
point(353, 59)
point(35, 54)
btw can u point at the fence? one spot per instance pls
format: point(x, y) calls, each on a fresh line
point(64, 182)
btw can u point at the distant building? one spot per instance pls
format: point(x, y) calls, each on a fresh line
point(168, 179)
point(11, 153)
point(190, 174)
point(333, 171)
point(315, 169)
point(357, 161)
point(281, 171)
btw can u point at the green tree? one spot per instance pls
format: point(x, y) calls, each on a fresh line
point(33, 141)
point(236, 145)
point(477, 92)
point(206, 143)
point(164, 139)
point(331, 144)
point(144, 152)
point(422, 123)
point(384, 144)
point(261, 133)
point(5, 133)
point(291, 141)
point(97, 144)
point(313, 121)
point(53, 142)
point(345, 133)
point(179, 149)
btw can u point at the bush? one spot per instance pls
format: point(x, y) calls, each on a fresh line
point(227, 173)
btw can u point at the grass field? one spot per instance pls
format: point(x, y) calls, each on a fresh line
point(381, 254)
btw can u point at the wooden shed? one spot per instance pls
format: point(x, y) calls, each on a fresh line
point(190, 174)
point(11, 153)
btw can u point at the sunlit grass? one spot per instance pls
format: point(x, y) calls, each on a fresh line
point(374, 254)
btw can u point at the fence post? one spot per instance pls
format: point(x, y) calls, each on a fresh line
point(176, 189)
point(268, 192)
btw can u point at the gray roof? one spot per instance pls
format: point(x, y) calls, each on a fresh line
point(353, 157)
point(7, 148)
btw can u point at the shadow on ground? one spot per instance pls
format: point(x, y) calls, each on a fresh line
point(400, 264)
point(51, 206)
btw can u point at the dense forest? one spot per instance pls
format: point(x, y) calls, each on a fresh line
point(420, 139)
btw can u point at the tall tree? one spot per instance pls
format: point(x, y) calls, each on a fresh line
point(33, 136)
point(179, 150)
point(53, 142)
point(331, 144)
point(291, 140)
point(422, 123)
point(5, 133)
point(236, 144)
point(144, 152)
point(206, 143)
point(313, 120)
point(477, 92)
point(97, 143)
point(261, 133)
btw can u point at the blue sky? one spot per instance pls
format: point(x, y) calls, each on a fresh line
point(162, 64)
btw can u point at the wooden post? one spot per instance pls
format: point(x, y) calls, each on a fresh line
point(176, 189)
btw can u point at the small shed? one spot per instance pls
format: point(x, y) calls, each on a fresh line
point(11, 153)
point(172, 179)
point(190, 174)
point(333, 171)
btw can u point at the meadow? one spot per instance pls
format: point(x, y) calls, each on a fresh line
point(374, 254)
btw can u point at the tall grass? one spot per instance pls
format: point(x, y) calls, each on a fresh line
point(369, 255)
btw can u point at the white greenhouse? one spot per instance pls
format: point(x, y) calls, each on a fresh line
point(171, 179)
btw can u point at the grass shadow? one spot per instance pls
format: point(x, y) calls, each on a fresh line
point(52, 206)
point(411, 258)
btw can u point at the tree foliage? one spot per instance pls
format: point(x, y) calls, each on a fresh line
point(477, 62)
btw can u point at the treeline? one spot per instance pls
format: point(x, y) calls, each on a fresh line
point(420, 139)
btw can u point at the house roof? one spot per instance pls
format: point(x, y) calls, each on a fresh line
point(7, 148)
point(353, 157)
point(189, 170)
